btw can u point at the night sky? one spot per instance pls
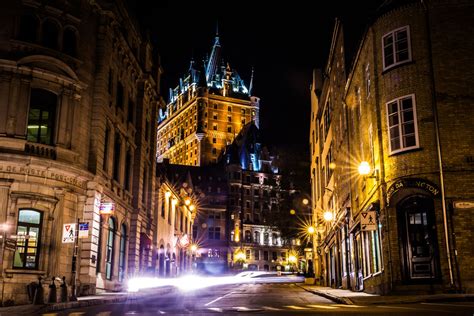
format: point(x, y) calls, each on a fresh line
point(282, 42)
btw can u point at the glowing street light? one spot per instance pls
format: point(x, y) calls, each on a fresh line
point(187, 201)
point(292, 212)
point(305, 201)
point(292, 259)
point(364, 168)
point(311, 230)
point(192, 207)
point(328, 216)
point(194, 247)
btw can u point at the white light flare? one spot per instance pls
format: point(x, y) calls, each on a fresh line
point(184, 283)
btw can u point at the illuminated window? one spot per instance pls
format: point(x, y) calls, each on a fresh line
point(42, 117)
point(28, 241)
point(109, 259)
point(402, 126)
point(396, 47)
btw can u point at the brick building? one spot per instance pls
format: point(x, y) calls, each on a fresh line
point(206, 110)
point(79, 98)
point(405, 111)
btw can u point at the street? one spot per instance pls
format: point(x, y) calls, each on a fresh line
point(259, 296)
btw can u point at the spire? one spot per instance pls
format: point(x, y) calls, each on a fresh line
point(251, 83)
point(213, 62)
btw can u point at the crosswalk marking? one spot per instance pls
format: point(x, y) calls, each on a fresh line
point(296, 307)
point(322, 306)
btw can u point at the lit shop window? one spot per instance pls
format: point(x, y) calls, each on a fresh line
point(28, 242)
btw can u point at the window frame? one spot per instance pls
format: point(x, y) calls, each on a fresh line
point(417, 141)
point(26, 246)
point(392, 33)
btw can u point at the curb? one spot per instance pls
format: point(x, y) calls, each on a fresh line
point(336, 299)
point(84, 303)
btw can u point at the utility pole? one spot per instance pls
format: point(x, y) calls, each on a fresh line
point(74, 263)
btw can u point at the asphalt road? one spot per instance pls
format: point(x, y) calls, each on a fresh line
point(259, 296)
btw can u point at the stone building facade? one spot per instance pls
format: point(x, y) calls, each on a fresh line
point(205, 112)
point(177, 209)
point(79, 97)
point(207, 187)
point(406, 112)
point(255, 193)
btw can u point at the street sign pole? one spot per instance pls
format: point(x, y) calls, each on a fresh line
point(74, 263)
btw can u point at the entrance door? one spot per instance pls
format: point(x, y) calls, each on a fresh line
point(358, 263)
point(418, 233)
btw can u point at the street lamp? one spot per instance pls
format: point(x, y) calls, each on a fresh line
point(311, 229)
point(328, 216)
point(366, 170)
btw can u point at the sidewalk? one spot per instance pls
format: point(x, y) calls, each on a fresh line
point(83, 301)
point(360, 298)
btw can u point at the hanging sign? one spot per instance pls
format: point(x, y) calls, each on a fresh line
point(10, 244)
point(184, 241)
point(69, 232)
point(83, 230)
point(368, 220)
point(107, 208)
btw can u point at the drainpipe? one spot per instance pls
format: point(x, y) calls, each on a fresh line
point(382, 184)
point(438, 142)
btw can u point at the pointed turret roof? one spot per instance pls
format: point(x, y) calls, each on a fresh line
point(214, 59)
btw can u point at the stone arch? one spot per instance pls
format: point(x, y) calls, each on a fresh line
point(48, 63)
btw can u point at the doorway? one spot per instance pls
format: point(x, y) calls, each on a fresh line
point(419, 247)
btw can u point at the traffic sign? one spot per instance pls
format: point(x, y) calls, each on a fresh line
point(368, 220)
point(69, 232)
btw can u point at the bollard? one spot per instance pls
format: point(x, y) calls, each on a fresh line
point(64, 296)
point(52, 297)
point(38, 298)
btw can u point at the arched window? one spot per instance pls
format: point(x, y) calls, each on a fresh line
point(122, 253)
point(50, 34)
point(42, 117)
point(28, 28)
point(257, 237)
point(265, 238)
point(28, 240)
point(109, 259)
point(70, 42)
point(248, 236)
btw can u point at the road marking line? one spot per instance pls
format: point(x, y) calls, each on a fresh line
point(395, 307)
point(217, 299)
point(296, 307)
point(444, 304)
point(344, 305)
point(215, 309)
point(322, 306)
point(271, 308)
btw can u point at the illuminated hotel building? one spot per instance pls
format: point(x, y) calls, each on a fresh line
point(205, 112)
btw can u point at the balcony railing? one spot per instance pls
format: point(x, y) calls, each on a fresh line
point(40, 150)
